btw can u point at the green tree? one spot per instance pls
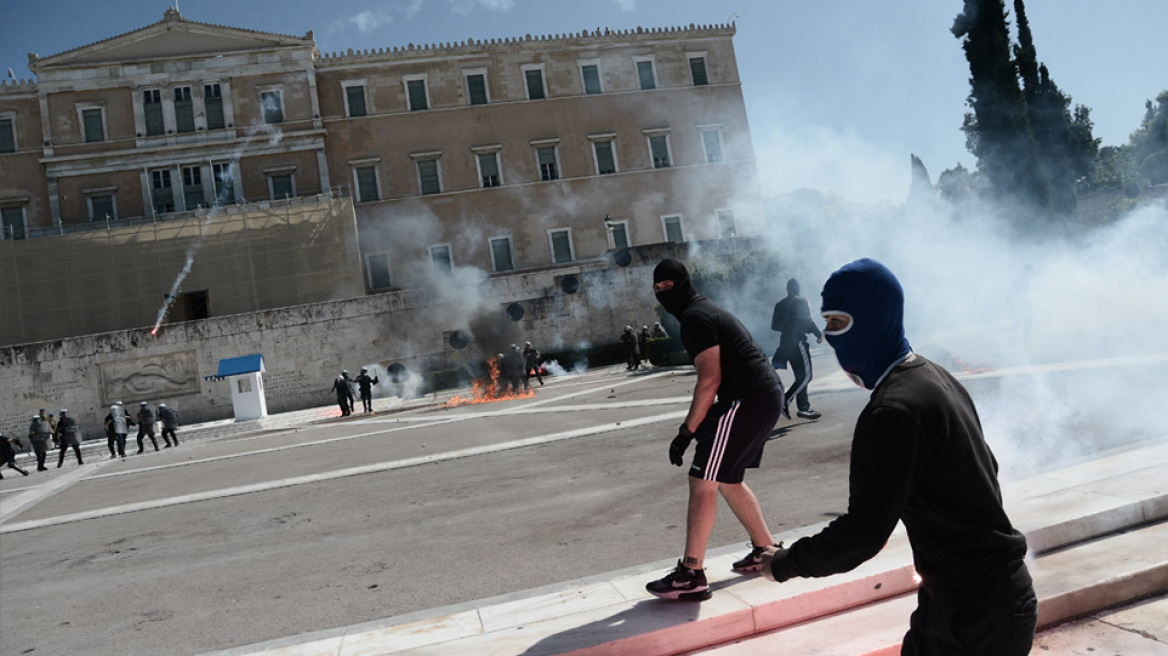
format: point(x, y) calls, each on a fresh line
point(1149, 144)
point(998, 129)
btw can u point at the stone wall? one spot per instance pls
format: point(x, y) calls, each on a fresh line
point(305, 346)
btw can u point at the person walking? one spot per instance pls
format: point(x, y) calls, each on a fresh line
point(117, 427)
point(530, 365)
point(643, 342)
point(632, 352)
point(169, 419)
point(365, 383)
point(39, 434)
point(52, 425)
point(736, 402)
point(344, 394)
point(68, 435)
point(8, 454)
point(792, 320)
point(918, 457)
point(146, 421)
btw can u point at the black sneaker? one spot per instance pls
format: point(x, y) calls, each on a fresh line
point(682, 584)
point(809, 414)
point(753, 560)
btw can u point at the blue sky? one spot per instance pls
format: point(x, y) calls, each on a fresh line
point(839, 92)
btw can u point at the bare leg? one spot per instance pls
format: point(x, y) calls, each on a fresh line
point(742, 501)
point(703, 511)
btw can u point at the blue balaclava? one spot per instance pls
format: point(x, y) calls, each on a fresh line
point(874, 342)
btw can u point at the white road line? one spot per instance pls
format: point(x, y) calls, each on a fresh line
point(18, 503)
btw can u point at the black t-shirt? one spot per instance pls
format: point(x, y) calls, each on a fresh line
point(745, 368)
point(918, 455)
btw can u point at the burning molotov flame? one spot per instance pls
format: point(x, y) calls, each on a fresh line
point(962, 365)
point(488, 391)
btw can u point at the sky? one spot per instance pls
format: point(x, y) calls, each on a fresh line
point(839, 93)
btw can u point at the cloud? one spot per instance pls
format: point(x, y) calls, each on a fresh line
point(465, 7)
point(625, 5)
point(364, 22)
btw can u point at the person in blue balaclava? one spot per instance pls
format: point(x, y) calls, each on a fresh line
point(918, 456)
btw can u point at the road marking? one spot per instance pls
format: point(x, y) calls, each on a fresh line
point(18, 503)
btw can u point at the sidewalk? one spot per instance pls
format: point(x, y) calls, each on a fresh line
point(1098, 529)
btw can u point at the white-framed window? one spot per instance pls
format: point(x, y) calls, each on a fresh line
point(417, 92)
point(223, 174)
point(618, 234)
point(429, 172)
point(646, 71)
point(659, 149)
point(477, 91)
point(547, 158)
point(354, 94)
point(377, 271)
point(92, 121)
point(272, 103)
point(213, 109)
point(8, 132)
point(534, 81)
point(152, 112)
point(184, 109)
point(367, 179)
point(697, 68)
point(192, 180)
point(604, 152)
point(560, 243)
point(726, 227)
point(13, 222)
point(671, 227)
point(501, 254)
point(161, 191)
point(102, 203)
point(441, 259)
point(712, 142)
point(281, 182)
point(590, 76)
point(487, 161)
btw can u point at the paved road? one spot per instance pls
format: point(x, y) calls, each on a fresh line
point(255, 536)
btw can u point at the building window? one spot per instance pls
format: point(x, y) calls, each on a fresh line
point(489, 169)
point(192, 187)
point(272, 103)
point(223, 172)
point(441, 259)
point(533, 80)
point(659, 151)
point(13, 224)
point(366, 179)
point(501, 254)
point(645, 73)
point(726, 226)
point(152, 112)
point(102, 207)
point(605, 157)
point(7, 134)
point(377, 268)
point(213, 106)
point(354, 98)
point(429, 177)
point(619, 230)
point(712, 142)
point(548, 168)
point(92, 124)
point(161, 193)
point(476, 86)
point(672, 227)
point(184, 110)
point(560, 241)
point(282, 185)
point(416, 92)
point(590, 74)
point(697, 70)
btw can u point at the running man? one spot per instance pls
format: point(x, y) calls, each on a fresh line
point(792, 320)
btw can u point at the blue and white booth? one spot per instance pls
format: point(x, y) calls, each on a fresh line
point(245, 375)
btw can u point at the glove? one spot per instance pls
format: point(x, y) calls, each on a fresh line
point(679, 444)
point(776, 564)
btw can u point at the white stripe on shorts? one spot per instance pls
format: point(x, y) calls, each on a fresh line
point(721, 439)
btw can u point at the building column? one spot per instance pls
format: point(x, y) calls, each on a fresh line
point(322, 166)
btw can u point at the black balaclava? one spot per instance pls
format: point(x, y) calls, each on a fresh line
point(793, 287)
point(677, 299)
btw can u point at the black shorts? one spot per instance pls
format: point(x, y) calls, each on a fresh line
point(731, 437)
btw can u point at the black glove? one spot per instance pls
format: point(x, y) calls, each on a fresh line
point(776, 564)
point(679, 444)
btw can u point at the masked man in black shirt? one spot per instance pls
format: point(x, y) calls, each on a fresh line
point(736, 402)
point(918, 456)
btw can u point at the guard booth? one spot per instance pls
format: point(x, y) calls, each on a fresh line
point(245, 375)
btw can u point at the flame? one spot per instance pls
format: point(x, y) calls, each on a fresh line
point(154, 333)
point(487, 391)
point(968, 368)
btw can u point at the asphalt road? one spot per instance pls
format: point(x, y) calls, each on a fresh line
point(259, 536)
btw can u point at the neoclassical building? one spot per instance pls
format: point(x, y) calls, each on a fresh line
point(280, 176)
